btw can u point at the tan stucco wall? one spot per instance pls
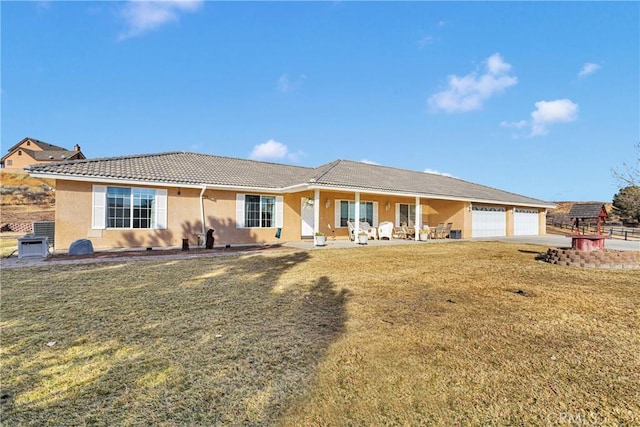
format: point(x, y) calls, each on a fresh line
point(73, 221)
point(542, 221)
point(510, 220)
point(74, 210)
point(18, 161)
point(437, 211)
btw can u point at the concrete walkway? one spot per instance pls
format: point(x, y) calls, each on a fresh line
point(550, 240)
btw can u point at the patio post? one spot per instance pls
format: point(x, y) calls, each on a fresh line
point(356, 219)
point(316, 211)
point(416, 223)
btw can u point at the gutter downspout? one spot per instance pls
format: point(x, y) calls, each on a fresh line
point(202, 208)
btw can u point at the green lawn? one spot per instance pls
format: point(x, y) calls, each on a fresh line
point(465, 333)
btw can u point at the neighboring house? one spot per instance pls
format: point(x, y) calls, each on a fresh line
point(159, 199)
point(30, 151)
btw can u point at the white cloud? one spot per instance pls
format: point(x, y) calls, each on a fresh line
point(425, 41)
point(550, 112)
point(435, 172)
point(546, 114)
point(270, 150)
point(518, 125)
point(468, 93)
point(286, 84)
point(588, 69)
point(143, 16)
point(274, 150)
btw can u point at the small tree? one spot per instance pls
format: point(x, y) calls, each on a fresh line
point(626, 203)
point(629, 173)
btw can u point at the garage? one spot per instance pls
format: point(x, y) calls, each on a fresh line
point(525, 222)
point(488, 221)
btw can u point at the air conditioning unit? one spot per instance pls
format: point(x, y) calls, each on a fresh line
point(33, 246)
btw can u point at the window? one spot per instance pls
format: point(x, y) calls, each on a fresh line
point(406, 213)
point(118, 207)
point(125, 207)
point(130, 207)
point(143, 208)
point(257, 211)
point(348, 212)
point(9, 162)
point(19, 153)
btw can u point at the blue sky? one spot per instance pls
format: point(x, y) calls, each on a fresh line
point(537, 98)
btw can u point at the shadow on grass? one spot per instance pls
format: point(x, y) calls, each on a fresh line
point(180, 342)
point(540, 256)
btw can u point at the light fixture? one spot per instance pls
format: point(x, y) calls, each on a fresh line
point(387, 206)
point(327, 203)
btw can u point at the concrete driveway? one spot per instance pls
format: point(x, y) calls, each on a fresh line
point(559, 241)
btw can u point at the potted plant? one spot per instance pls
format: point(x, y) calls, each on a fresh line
point(363, 237)
point(424, 233)
point(319, 238)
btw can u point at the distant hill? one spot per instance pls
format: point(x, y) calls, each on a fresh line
point(564, 208)
point(24, 199)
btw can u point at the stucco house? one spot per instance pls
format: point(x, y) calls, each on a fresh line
point(159, 199)
point(31, 151)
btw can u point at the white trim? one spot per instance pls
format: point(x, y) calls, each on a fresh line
point(240, 210)
point(161, 209)
point(279, 220)
point(99, 207)
point(316, 211)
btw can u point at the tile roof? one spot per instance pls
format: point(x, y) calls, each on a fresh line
point(586, 210)
point(180, 168)
point(376, 178)
point(200, 169)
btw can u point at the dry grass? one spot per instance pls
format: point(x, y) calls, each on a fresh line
point(25, 199)
point(9, 243)
point(463, 333)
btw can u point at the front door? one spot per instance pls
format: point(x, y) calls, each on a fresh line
point(306, 218)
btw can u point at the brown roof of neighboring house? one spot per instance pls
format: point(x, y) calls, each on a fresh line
point(59, 155)
point(191, 169)
point(47, 152)
point(40, 144)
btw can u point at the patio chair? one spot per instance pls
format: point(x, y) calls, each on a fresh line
point(371, 231)
point(437, 232)
point(447, 230)
point(385, 230)
point(398, 233)
point(352, 230)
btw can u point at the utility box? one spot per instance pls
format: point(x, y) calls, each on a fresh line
point(33, 246)
point(455, 234)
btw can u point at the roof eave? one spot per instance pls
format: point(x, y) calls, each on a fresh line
point(429, 196)
point(147, 183)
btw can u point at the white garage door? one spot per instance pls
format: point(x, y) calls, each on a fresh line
point(488, 221)
point(525, 222)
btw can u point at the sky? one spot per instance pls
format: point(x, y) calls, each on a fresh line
point(540, 99)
